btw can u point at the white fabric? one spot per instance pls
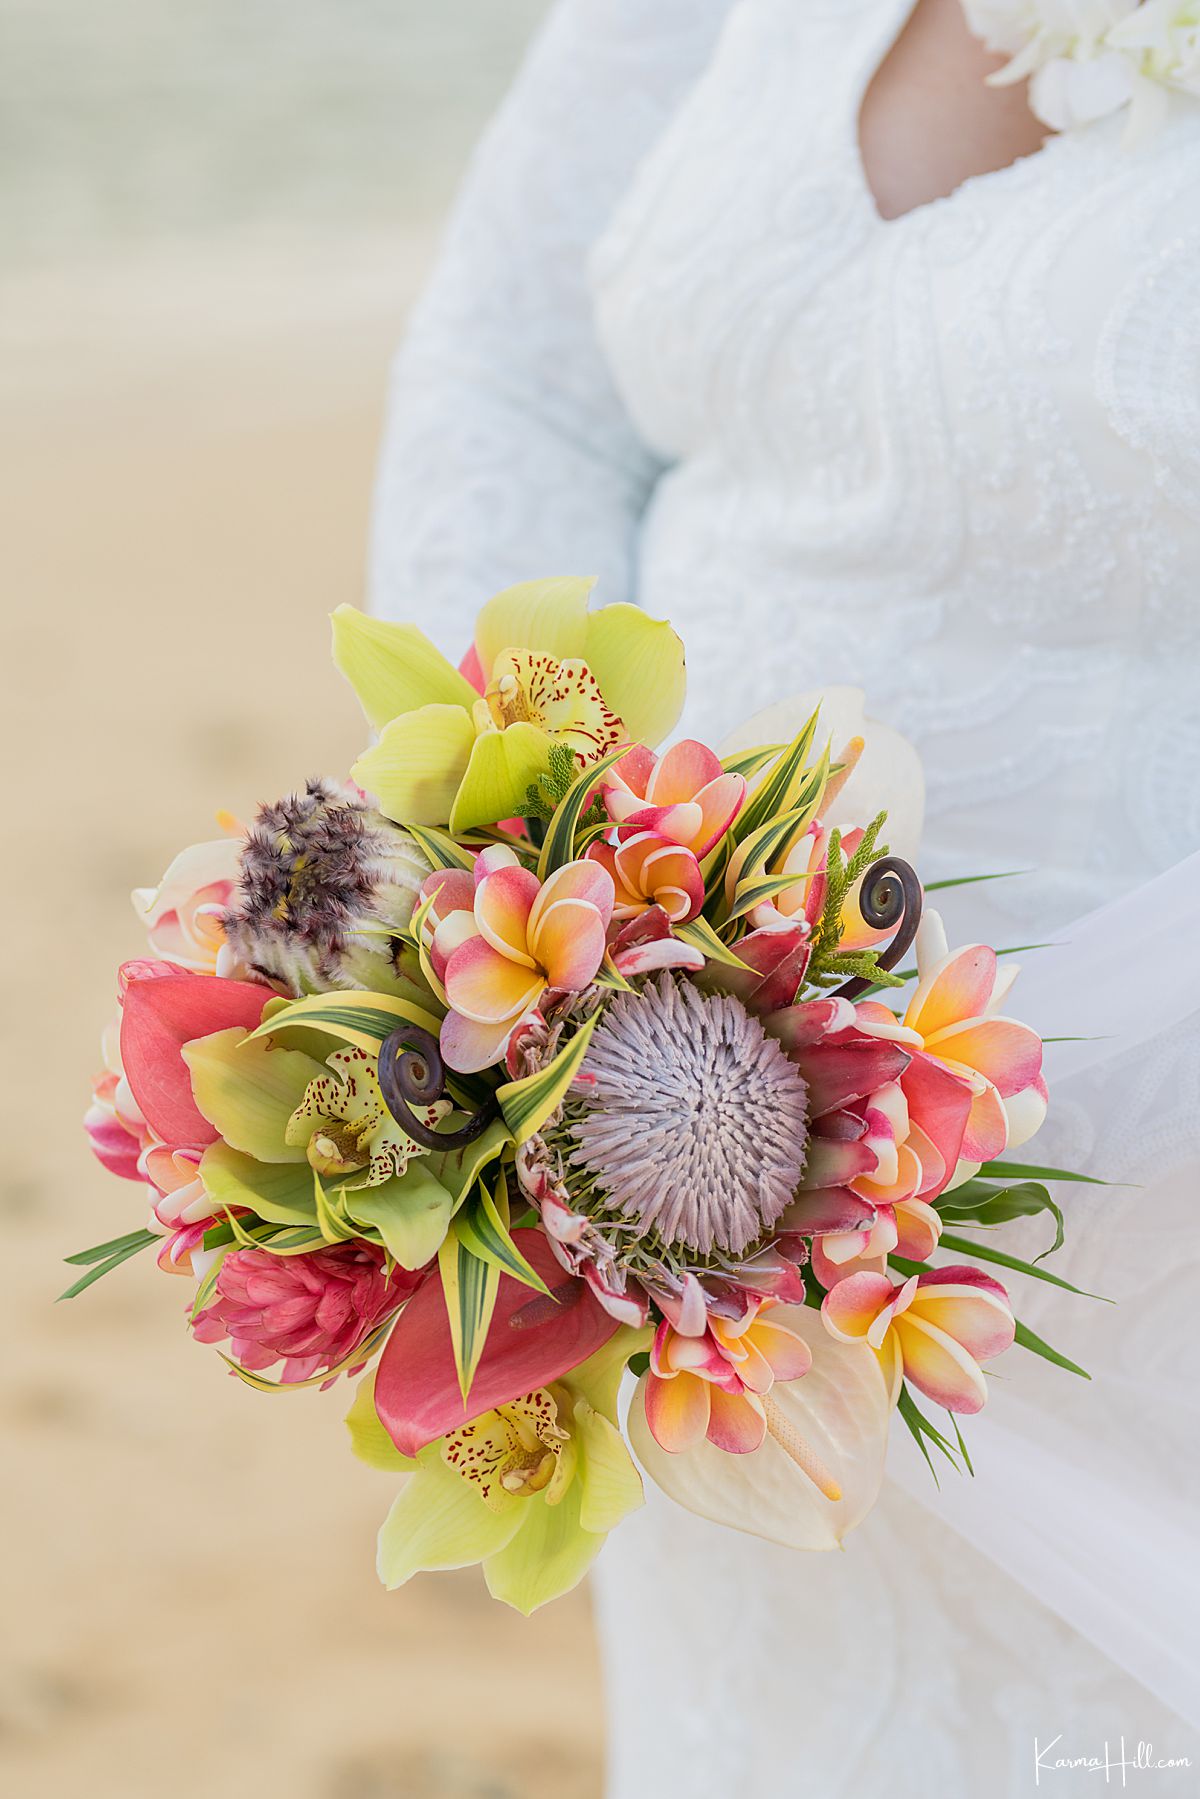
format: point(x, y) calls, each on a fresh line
point(953, 458)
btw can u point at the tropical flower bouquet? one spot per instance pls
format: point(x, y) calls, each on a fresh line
point(531, 1058)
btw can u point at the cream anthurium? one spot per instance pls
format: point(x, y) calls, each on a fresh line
point(530, 1489)
point(552, 672)
point(835, 1417)
point(887, 776)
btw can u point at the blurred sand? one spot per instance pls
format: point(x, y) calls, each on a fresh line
point(189, 1592)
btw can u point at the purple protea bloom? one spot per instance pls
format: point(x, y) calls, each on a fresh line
point(693, 1125)
point(324, 884)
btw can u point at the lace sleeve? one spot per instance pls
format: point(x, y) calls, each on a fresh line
point(507, 452)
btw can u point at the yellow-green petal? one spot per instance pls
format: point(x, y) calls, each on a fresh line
point(439, 1521)
point(393, 668)
point(639, 664)
point(368, 1439)
point(280, 1192)
point(549, 616)
point(248, 1091)
point(550, 1554)
point(417, 767)
point(610, 1485)
point(501, 768)
point(411, 1212)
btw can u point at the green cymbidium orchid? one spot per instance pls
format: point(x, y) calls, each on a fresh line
point(287, 1120)
point(551, 672)
point(529, 1490)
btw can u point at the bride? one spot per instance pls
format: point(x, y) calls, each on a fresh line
point(779, 318)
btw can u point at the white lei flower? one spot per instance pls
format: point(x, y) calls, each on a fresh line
point(1088, 58)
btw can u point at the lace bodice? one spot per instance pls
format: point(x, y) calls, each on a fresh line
point(953, 458)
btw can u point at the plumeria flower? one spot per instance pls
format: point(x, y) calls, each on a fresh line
point(685, 795)
point(648, 870)
point(518, 939)
point(715, 1384)
point(183, 914)
point(933, 1329)
point(953, 1019)
point(551, 672)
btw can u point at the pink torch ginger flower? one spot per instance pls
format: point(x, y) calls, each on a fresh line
point(933, 1329)
point(508, 940)
point(310, 1312)
point(716, 1384)
point(684, 796)
point(651, 871)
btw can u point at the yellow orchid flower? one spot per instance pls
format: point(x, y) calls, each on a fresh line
point(552, 672)
point(530, 1489)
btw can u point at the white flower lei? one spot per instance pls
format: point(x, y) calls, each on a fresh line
point(1089, 58)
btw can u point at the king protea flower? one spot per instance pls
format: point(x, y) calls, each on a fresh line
point(324, 883)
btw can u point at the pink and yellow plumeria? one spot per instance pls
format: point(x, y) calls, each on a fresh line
point(504, 939)
point(933, 1329)
point(714, 1383)
point(685, 796)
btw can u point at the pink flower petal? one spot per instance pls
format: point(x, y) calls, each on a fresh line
point(483, 985)
point(159, 1015)
point(681, 772)
point(737, 1422)
point(839, 1072)
point(586, 880)
point(960, 988)
point(503, 902)
point(468, 1046)
point(787, 1353)
point(677, 1411)
point(852, 1306)
point(986, 1135)
point(976, 1313)
point(569, 944)
point(1006, 1053)
point(941, 1368)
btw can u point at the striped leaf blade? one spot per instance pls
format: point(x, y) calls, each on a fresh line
point(526, 1104)
point(469, 1287)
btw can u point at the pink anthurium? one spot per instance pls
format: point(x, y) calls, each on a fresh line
point(649, 870)
point(162, 1012)
point(518, 938)
point(531, 1341)
point(684, 795)
point(934, 1329)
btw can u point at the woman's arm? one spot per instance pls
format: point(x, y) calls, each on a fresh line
point(508, 454)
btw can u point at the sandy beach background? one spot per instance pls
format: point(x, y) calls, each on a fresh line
point(215, 214)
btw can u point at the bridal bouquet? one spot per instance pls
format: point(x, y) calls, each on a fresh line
point(531, 1056)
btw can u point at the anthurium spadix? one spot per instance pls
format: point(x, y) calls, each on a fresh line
point(553, 672)
point(831, 1421)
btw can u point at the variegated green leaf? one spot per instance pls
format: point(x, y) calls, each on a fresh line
point(469, 1287)
point(362, 1020)
point(558, 846)
point(755, 893)
point(780, 789)
point(440, 850)
point(459, 1169)
point(749, 762)
point(528, 1103)
point(481, 1229)
point(700, 934)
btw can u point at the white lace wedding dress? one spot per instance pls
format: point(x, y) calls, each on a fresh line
point(955, 459)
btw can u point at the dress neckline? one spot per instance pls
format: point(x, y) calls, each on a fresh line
point(875, 53)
